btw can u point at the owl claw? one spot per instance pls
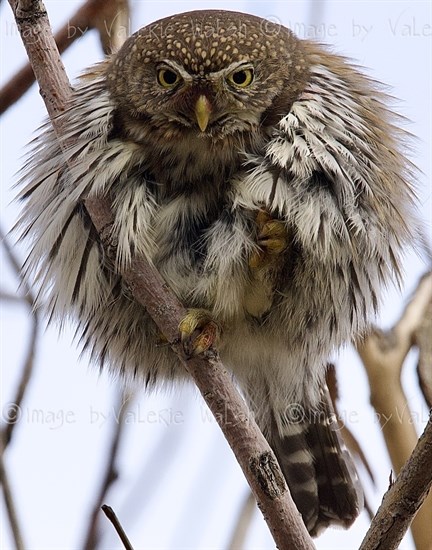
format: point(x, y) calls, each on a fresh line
point(272, 240)
point(198, 332)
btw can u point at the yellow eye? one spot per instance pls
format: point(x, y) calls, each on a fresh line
point(167, 78)
point(241, 78)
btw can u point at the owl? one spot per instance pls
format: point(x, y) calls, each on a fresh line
point(263, 176)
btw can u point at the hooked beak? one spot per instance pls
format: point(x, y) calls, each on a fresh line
point(202, 112)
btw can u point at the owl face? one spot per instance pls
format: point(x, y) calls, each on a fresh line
point(214, 103)
point(204, 73)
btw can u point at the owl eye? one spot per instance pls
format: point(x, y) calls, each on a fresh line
point(241, 78)
point(167, 78)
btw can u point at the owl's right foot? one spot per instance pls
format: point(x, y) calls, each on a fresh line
point(198, 331)
point(272, 240)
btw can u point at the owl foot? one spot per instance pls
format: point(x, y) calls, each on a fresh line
point(272, 240)
point(198, 331)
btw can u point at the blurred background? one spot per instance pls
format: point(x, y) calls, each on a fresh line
point(177, 483)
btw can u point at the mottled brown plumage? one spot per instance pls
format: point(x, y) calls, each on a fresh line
point(264, 177)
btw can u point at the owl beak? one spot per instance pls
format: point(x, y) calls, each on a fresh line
point(202, 112)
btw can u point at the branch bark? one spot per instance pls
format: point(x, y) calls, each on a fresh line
point(383, 354)
point(109, 17)
point(111, 515)
point(251, 449)
point(403, 499)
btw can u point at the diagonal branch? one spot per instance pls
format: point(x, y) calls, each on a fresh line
point(404, 498)
point(109, 17)
point(251, 449)
point(10, 504)
point(112, 516)
point(383, 354)
point(13, 413)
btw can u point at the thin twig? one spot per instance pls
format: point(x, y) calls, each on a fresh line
point(111, 515)
point(12, 298)
point(404, 498)
point(12, 415)
point(251, 449)
point(111, 474)
point(16, 266)
point(10, 505)
point(14, 412)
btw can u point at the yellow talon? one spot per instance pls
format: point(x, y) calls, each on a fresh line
point(272, 240)
point(198, 331)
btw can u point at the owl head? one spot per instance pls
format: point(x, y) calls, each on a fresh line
point(212, 73)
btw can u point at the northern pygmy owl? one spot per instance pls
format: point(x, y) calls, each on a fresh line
point(263, 176)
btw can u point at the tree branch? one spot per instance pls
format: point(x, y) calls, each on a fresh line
point(12, 415)
point(423, 341)
point(109, 17)
point(383, 354)
point(10, 505)
point(251, 449)
point(111, 474)
point(403, 499)
point(111, 515)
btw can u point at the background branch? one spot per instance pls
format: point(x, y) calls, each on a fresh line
point(109, 17)
point(10, 505)
point(423, 341)
point(111, 515)
point(403, 499)
point(251, 449)
point(111, 474)
point(243, 523)
point(383, 354)
point(13, 413)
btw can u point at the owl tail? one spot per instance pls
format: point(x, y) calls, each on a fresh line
point(318, 468)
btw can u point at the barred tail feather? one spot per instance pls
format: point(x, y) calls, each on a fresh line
point(319, 470)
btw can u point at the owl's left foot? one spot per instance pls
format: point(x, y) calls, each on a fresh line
point(272, 240)
point(198, 331)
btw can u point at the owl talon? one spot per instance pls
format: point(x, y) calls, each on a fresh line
point(198, 332)
point(272, 240)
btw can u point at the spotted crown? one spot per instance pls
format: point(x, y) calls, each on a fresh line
point(206, 41)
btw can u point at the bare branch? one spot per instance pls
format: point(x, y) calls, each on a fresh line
point(383, 355)
point(10, 505)
point(251, 449)
point(33, 24)
point(109, 17)
point(12, 298)
point(111, 515)
point(15, 264)
point(111, 474)
point(112, 22)
point(243, 523)
point(403, 499)
point(12, 415)
point(414, 313)
point(423, 341)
